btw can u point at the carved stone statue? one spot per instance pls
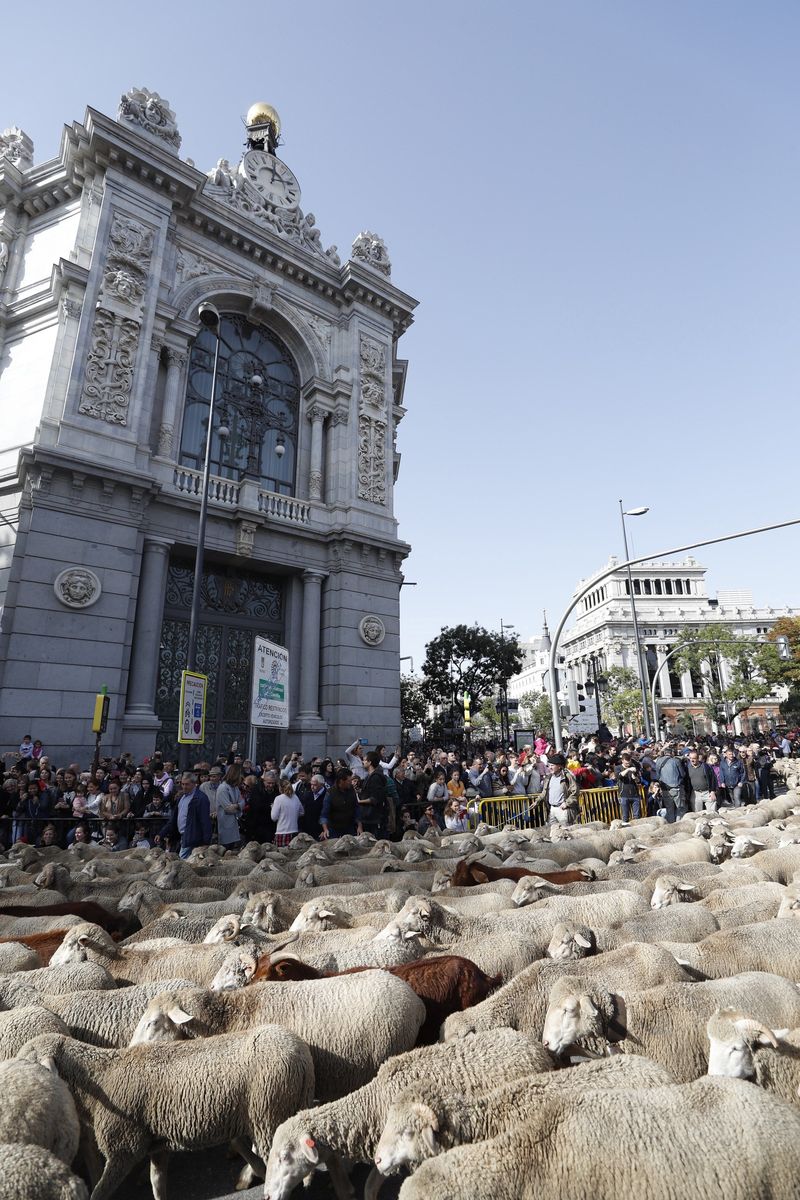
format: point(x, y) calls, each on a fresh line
point(371, 250)
point(221, 175)
point(152, 114)
point(16, 147)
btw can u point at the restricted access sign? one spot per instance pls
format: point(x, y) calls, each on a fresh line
point(192, 711)
point(269, 707)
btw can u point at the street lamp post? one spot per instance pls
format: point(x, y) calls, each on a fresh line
point(505, 732)
point(579, 595)
point(209, 318)
point(636, 512)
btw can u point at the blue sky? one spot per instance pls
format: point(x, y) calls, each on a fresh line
point(598, 206)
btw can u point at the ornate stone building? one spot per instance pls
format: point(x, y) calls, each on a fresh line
point(105, 381)
point(669, 597)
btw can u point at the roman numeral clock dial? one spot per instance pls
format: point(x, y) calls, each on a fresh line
point(272, 178)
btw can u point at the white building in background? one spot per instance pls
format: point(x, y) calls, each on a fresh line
point(670, 597)
point(536, 664)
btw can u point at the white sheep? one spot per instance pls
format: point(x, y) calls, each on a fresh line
point(523, 1001)
point(570, 942)
point(38, 1108)
point(742, 1047)
point(24, 986)
point(141, 962)
point(147, 1100)
point(352, 1023)
point(15, 956)
point(31, 1173)
point(765, 946)
point(349, 1128)
point(716, 1138)
point(19, 1025)
point(666, 1023)
point(107, 1019)
point(426, 1120)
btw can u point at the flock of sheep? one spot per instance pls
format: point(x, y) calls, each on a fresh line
point(588, 1013)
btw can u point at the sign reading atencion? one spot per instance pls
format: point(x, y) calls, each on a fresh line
point(269, 708)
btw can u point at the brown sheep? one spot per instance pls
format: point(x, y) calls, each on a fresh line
point(123, 923)
point(445, 984)
point(469, 874)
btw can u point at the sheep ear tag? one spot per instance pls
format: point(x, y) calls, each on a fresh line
point(309, 1148)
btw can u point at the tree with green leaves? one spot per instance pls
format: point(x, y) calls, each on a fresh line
point(786, 670)
point(621, 697)
point(468, 658)
point(751, 671)
point(538, 710)
point(413, 705)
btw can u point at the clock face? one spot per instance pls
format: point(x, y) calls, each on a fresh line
point(274, 180)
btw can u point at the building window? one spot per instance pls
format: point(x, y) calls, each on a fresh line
point(657, 586)
point(678, 587)
point(259, 417)
point(668, 587)
point(627, 587)
point(648, 588)
point(637, 587)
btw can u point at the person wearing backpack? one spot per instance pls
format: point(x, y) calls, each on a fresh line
point(671, 774)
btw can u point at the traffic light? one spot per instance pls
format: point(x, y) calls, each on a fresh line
point(784, 649)
point(576, 697)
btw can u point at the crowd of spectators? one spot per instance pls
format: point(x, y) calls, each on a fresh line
point(122, 803)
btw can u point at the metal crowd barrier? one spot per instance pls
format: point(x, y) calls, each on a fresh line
point(532, 812)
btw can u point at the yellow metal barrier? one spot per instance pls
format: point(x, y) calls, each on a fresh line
point(526, 812)
point(531, 812)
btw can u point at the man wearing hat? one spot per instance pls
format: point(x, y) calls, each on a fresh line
point(561, 791)
point(209, 788)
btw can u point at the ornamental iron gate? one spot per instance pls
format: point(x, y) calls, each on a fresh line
point(233, 609)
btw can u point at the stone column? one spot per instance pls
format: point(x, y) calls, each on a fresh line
point(687, 690)
point(663, 679)
point(140, 723)
point(309, 646)
point(176, 361)
point(316, 416)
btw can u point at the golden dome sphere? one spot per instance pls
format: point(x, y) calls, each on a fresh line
point(263, 114)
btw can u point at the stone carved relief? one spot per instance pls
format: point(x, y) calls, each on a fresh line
point(108, 379)
point(189, 266)
point(71, 308)
point(315, 485)
point(77, 587)
point(371, 630)
point(371, 459)
point(4, 254)
point(373, 374)
point(322, 328)
point(292, 224)
point(372, 422)
point(245, 538)
point(109, 370)
point(152, 113)
point(371, 250)
point(16, 147)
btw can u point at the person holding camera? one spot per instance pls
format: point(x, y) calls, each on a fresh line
point(628, 783)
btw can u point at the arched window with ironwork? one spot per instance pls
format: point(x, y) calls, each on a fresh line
point(258, 397)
